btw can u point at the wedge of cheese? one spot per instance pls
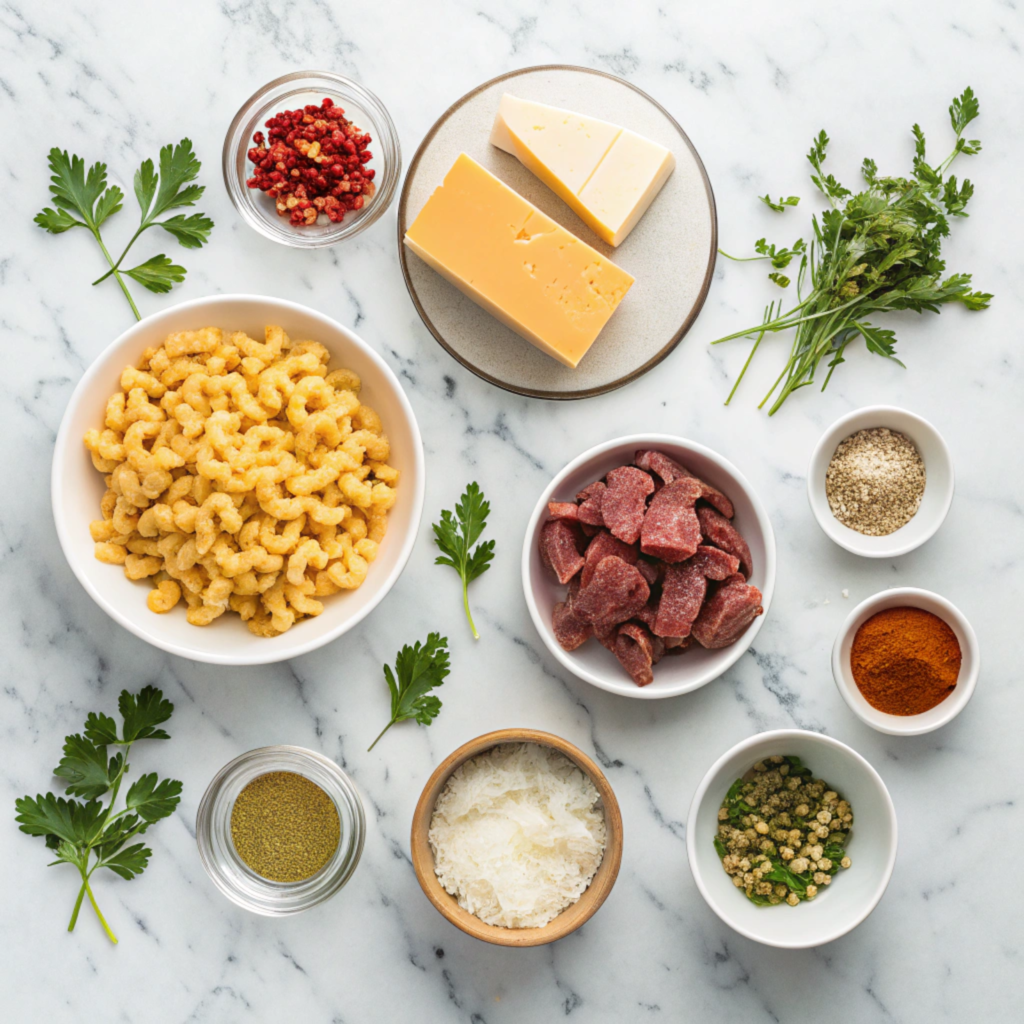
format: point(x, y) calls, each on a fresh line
point(514, 261)
point(607, 174)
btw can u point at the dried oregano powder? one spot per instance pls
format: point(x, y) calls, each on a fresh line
point(875, 481)
point(285, 827)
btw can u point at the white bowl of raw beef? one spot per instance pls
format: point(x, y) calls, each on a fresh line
point(696, 665)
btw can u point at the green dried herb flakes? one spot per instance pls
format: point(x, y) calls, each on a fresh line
point(285, 827)
point(782, 833)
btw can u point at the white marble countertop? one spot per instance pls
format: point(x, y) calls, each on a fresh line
point(750, 85)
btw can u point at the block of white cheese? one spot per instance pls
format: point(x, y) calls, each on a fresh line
point(607, 174)
point(514, 261)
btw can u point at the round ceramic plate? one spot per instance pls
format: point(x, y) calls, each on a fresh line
point(671, 252)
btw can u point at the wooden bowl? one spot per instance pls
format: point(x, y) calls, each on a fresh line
point(572, 917)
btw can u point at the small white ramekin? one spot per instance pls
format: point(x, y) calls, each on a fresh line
point(938, 491)
point(941, 714)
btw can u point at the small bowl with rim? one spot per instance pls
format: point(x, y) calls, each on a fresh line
point(289, 92)
point(853, 893)
point(232, 876)
point(672, 675)
point(938, 490)
point(941, 714)
point(569, 919)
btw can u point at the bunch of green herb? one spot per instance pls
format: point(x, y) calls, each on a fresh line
point(86, 833)
point(85, 200)
point(456, 534)
point(418, 669)
point(873, 252)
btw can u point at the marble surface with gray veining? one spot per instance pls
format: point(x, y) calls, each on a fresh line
point(750, 84)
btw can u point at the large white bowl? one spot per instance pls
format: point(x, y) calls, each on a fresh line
point(852, 894)
point(938, 490)
point(941, 714)
point(672, 675)
point(76, 487)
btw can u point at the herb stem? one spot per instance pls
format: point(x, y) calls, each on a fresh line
point(384, 730)
point(99, 913)
point(78, 902)
point(120, 259)
point(767, 317)
point(465, 603)
point(120, 280)
point(742, 259)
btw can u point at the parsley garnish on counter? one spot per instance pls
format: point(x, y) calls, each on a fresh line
point(418, 669)
point(87, 194)
point(456, 534)
point(80, 831)
point(873, 252)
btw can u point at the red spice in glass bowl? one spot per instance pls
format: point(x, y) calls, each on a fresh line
point(313, 161)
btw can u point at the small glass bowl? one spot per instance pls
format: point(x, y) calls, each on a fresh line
point(288, 92)
point(229, 872)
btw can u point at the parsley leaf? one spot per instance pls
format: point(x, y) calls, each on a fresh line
point(418, 669)
point(92, 835)
point(86, 767)
point(50, 815)
point(75, 191)
point(158, 273)
point(83, 199)
point(456, 534)
point(192, 232)
point(142, 712)
point(152, 800)
point(128, 862)
point(100, 728)
point(781, 204)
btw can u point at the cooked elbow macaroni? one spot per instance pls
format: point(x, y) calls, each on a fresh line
point(242, 476)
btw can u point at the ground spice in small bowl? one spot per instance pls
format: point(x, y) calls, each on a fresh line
point(875, 481)
point(285, 827)
point(905, 661)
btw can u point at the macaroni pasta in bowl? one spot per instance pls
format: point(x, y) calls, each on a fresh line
point(241, 476)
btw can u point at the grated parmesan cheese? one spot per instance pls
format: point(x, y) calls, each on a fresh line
point(517, 834)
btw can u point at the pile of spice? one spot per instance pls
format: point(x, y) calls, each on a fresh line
point(517, 834)
point(905, 661)
point(313, 161)
point(875, 481)
point(285, 827)
point(782, 833)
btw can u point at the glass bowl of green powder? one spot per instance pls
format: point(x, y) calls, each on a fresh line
point(280, 829)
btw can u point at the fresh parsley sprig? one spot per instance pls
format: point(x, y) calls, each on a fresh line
point(872, 252)
point(87, 194)
point(418, 669)
point(456, 534)
point(87, 834)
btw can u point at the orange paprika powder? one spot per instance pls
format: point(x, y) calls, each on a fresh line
point(905, 661)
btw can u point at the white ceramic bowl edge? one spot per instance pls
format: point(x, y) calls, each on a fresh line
point(76, 487)
point(939, 485)
point(941, 714)
point(853, 894)
point(591, 662)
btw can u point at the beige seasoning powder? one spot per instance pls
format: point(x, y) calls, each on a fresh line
point(875, 481)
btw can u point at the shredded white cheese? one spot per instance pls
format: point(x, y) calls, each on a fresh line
point(517, 834)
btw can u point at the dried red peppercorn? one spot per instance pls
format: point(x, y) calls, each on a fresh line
point(313, 161)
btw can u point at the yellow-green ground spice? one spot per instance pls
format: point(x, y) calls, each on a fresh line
point(285, 827)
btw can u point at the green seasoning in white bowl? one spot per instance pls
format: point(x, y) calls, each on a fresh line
point(839, 906)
